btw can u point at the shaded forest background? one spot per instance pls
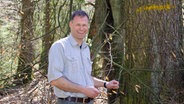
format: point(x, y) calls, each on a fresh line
point(137, 42)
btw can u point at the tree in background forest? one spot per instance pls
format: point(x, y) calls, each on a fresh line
point(47, 39)
point(26, 51)
point(107, 30)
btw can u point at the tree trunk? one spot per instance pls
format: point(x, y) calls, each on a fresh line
point(47, 39)
point(26, 56)
point(171, 57)
point(117, 46)
point(137, 35)
point(95, 34)
point(100, 33)
point(161, 22)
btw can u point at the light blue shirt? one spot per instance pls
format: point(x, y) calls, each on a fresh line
point(67, 59)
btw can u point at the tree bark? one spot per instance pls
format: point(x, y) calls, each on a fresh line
point(26, 56)
point(47, 39)
point(117, 46)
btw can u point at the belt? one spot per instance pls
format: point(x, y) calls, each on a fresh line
point(77, 99)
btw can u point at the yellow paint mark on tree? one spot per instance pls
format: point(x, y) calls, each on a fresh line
point(155, 7)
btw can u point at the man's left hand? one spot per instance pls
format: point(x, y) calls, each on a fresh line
point(113, 84)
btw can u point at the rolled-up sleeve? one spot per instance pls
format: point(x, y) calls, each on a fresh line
point(55, 59)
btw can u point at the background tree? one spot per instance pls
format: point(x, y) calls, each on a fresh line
point(47, 38)
point(26, 55)
point(106, 30)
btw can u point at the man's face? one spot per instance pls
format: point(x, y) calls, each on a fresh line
point(79, 27)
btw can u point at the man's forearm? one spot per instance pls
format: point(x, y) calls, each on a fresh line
point(66, 85)
point(98, 82)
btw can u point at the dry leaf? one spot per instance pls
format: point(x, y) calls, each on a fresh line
point(104, 94)
point(137, 88)
point(122, 92)
point(106, 78)
point(174, 55)
point(114, 92)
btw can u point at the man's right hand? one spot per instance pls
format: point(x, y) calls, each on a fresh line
point(91, 91)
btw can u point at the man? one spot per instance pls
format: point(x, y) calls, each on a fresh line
point(70, 66)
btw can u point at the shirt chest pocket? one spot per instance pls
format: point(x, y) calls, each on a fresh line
point(71, 64)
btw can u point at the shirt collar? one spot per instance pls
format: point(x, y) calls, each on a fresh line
point(74, 42)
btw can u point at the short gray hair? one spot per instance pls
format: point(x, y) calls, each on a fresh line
point(79, 13)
